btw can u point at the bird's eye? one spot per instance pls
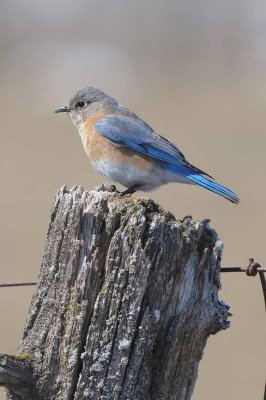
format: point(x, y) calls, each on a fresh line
point(81, 104)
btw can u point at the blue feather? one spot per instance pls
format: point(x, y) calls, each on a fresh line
point(205, 183)
point(134, 134)
point(214, 187)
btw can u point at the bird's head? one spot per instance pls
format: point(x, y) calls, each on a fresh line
point(85, 102)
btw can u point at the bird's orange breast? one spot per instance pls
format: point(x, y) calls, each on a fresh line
point(98, 147)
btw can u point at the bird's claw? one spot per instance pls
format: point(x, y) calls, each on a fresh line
point(113, 189)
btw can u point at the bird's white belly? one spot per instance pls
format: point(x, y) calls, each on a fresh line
point(129, 175)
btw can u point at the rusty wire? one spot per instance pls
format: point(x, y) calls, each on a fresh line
point(18, 283)
point(252, 269)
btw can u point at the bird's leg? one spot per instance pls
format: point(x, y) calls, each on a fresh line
point(131, 189)
point(113, 189)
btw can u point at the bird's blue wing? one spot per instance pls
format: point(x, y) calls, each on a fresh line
point(134, 134)
point(131, 132)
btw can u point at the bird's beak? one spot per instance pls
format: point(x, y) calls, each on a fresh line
point(62, 109)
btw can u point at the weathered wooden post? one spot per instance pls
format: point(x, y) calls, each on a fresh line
point(126, 299)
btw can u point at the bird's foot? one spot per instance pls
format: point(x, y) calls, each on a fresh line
point(131, 190)
point(113, 189)
point(186, 217)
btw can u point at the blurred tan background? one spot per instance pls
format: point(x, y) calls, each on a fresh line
point(196, 72)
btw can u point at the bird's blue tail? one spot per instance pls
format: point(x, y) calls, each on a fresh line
point(212, 186)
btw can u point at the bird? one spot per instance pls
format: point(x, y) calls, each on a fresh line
point(126, 150)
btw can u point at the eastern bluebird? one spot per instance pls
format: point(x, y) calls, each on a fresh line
point(124, 149)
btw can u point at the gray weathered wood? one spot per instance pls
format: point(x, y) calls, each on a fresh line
point(126, 299)
point(16, 374)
